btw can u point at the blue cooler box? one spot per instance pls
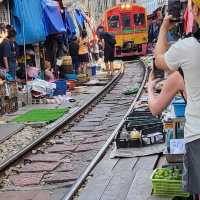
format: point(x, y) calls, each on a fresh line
point(61, 87)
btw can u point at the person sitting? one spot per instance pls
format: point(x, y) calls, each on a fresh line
point(172, 85)
point(48, 73)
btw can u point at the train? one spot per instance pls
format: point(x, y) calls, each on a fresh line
point(128, 22)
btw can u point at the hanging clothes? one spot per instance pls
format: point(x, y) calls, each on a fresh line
point(52, 17)
point(26, 17)
point(69, 24)
point(91, 23)
point(80, 18)
point(72, 14)
point(188, 19)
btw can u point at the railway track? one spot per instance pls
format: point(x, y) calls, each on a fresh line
point(36, 135)
point(60, 160)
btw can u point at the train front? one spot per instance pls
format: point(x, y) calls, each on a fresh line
point(128, 22)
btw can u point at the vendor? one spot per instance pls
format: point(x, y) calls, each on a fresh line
point(184, 54)
point(8, 53)
point(48, 71)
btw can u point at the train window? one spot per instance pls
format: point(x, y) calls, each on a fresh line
point(113, 21)
point(126, 21)
point(139, 19)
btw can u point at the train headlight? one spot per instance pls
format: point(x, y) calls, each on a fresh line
point(123, 6)
point(128, 6)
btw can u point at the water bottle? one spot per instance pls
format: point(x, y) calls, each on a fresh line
point(169, 137)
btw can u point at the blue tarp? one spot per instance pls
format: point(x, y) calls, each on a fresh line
point(69, 24)
point(28, 14)
point(79, 17)
point(52, 17)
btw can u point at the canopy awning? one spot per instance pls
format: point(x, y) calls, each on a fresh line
point(80, 18)
point(27, 20)
point(52, 18)
point(69, 24)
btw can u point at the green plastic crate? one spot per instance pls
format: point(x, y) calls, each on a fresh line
point(167, 188)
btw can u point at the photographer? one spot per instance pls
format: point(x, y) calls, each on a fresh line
point(184, 54)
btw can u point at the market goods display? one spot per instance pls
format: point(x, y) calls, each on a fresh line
point(167, 182)
point(169, 174)
point(8, 97)
point(140, 129)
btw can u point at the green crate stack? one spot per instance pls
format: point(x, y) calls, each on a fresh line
point(168, 188)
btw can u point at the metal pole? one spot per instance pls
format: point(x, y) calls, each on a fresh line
point(24, 45)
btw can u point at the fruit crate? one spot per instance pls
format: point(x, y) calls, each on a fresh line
point(167, 187)
point(147, 126)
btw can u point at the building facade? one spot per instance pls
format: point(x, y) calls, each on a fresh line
point(4, 12)
point(150, 5)
point(125, 1)
point(97, 7)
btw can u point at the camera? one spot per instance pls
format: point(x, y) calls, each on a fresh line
point(158, 73)
point(174, 9)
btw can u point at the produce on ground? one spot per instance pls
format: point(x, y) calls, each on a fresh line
point(168, 174)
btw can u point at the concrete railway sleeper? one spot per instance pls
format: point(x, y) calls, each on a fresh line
point(61, 160)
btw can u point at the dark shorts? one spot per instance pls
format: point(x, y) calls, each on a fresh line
point(84, 58)
point(191, 174)
point(109, 55)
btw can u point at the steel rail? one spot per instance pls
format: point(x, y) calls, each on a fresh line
point(102, 151)
point(48, 132)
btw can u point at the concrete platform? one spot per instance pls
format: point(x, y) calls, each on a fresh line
point(121, 179)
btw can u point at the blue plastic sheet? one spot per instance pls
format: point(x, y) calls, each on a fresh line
point(27, 20)
point(80, 18)
point(69, 24)
point(52, 17)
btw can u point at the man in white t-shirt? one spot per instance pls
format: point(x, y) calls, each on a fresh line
point(185, 54)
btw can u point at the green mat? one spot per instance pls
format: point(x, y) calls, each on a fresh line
point(42, 115)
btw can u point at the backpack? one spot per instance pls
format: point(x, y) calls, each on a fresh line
point(110, 39)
